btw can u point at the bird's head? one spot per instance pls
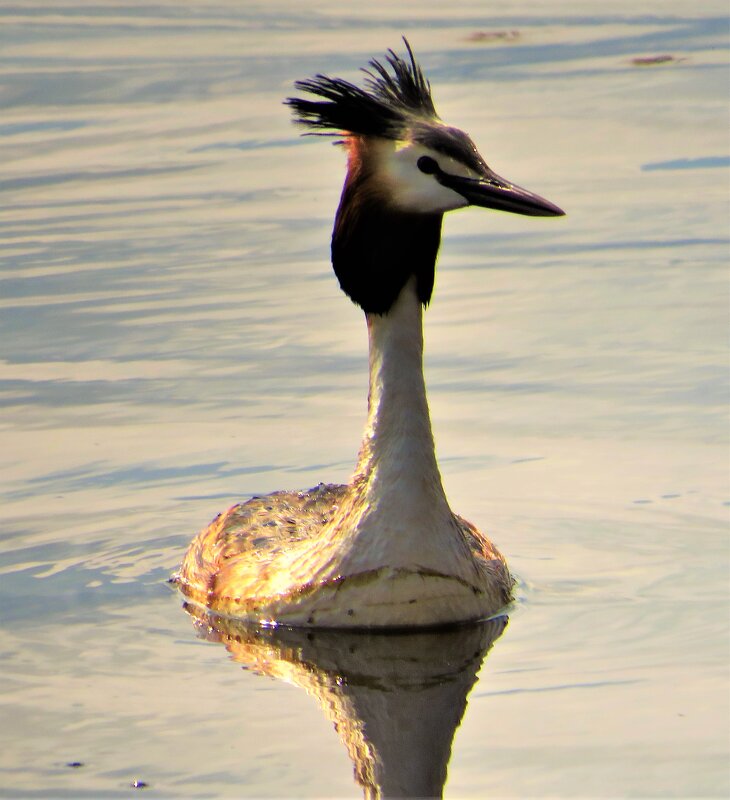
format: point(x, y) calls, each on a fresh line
point(400, 149)
point(405, 169)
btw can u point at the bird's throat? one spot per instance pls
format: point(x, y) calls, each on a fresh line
point(376, 250)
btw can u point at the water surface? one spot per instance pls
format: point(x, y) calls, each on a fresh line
point(172, 340)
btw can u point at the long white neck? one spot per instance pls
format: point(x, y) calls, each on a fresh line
point(397, 463)
point(397, 457)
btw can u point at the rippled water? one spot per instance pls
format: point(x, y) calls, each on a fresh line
point(172, 340)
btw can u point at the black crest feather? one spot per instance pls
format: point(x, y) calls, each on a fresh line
point(395, 92)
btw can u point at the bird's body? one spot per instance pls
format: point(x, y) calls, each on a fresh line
point(384, 550)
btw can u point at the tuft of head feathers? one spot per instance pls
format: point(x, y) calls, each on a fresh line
point(396, 94)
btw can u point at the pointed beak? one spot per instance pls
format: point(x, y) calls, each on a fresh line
point(491, 191)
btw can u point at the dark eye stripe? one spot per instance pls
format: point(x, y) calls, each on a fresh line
point(452, 143)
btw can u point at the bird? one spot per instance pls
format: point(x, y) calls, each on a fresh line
point(384, 551)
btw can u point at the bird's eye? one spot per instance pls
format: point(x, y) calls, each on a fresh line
point(427, 165)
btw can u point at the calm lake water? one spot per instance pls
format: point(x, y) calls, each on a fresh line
point(172, 340)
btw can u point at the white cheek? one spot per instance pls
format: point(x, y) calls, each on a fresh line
point(412, 190)
point(426, 195)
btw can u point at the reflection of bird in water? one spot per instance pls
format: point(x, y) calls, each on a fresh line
point(395, 699)
point(385, 550)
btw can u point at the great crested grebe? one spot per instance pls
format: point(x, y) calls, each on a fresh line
point(386, 550)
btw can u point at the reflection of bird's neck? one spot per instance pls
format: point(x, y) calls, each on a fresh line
point(408, 733)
